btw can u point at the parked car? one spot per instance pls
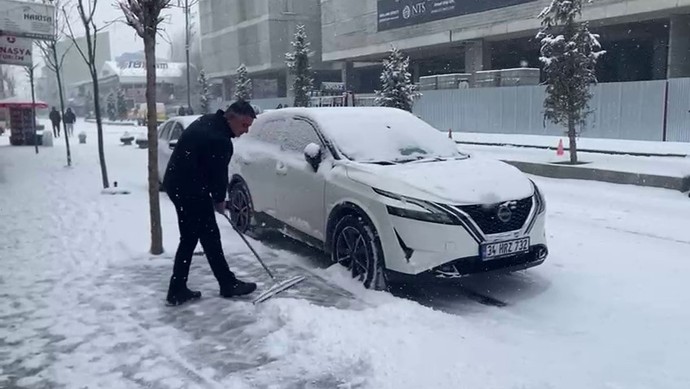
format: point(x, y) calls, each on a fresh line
point(140, 113)
point(168, 134)
point(385, 194)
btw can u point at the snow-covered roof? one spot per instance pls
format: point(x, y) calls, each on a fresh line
point(134, 72)
point(186, 120)
point(375, 133)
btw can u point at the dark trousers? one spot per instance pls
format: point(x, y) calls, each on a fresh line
point(197, 222)
point(56, 130)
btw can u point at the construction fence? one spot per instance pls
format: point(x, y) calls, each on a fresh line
point(645, 110)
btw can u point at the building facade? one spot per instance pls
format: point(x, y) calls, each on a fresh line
point(258, 33)
point(644, 39)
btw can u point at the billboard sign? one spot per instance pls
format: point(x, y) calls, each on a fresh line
point(402, 13)
point(15, 51)
point(27, 20)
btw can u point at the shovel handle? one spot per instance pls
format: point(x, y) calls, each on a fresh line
point(256, 255)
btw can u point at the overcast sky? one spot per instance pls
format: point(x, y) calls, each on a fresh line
point(122, 37)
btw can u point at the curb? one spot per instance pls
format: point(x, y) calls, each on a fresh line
point(681, 184)
point(612, 152)
point(126, 124)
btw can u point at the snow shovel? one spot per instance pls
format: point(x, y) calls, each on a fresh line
point(277, 287)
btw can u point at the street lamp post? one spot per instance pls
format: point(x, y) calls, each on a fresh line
point(186, 46)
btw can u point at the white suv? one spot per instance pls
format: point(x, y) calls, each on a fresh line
point(387, 195)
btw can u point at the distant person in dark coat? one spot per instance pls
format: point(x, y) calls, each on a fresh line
point(55, 119)
point(181, 111)
point(69, 120)
point(196, 179)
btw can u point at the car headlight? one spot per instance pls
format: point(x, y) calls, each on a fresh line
point(424, 210)
point(541, 201)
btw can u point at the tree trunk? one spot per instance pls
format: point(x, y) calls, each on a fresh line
point(53, 47)
point(151, 118)
point(33, 107)
point(572, 135)
point(99, 126)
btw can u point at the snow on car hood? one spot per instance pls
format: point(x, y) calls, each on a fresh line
point(465, 181)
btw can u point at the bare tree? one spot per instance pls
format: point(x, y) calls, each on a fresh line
point(145, 17)
point(7, 81)
point(30, 72)
point(3, 71)
point(86, 10)
point(11, 84)
point(54, 62)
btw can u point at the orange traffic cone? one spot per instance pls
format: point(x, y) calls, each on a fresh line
point(450, 133)
point(559, 151)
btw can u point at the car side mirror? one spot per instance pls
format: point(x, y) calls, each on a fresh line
point(313, 154)
point(172, 144)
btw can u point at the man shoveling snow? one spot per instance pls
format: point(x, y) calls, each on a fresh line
point(196, 181)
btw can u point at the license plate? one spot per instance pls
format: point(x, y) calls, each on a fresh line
point(507, 248)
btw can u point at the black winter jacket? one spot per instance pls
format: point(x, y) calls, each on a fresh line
point(198, 167)
point(70, 117)
point(54, 117)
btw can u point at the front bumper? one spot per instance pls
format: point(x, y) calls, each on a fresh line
point(464, 267)
point(413, 247)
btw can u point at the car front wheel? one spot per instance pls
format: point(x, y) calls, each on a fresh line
point(240, 206)
point(356, 246)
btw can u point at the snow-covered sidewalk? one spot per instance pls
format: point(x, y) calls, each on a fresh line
point(82, 301)
point(600, 145)
point(659, 166)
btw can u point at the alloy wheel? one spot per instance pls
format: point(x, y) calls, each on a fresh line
point(351, 252)
point(238, 205)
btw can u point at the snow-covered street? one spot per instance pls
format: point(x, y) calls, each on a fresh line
point(83, 303)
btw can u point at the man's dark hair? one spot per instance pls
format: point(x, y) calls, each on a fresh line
point(241, 108)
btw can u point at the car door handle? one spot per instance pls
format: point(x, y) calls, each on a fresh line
point(281, 169)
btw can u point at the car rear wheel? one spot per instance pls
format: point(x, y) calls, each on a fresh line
point(356, 246)
point(239, 205)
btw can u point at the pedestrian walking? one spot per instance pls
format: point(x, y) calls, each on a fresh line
point(69, 120)
point(196, 180)
point(55, 119)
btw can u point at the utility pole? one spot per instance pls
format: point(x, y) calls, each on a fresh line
point(186, 47)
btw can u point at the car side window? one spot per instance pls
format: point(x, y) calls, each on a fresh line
point(176, 131)
point(297, 135)
point(165, 131)
point(268, 131)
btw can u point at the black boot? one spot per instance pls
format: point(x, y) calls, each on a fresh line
point(236, 288)
point(179, 294)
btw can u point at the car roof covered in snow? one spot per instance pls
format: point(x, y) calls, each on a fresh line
point(373, 133)
point(186, 120)
point(327, 115)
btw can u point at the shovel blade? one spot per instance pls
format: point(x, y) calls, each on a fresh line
point(279, 287)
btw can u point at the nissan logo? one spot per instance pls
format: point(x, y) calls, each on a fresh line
point(504, 213)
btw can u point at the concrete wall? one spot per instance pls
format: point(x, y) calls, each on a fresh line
point(350, 27)
point(679, 47)
point(254, 32)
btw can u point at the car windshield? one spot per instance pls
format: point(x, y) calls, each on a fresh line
point(384, 135)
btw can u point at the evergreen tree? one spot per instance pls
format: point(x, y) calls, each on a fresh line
point(243, 84)
point(203, 92)
point(397, 89)
point(111, 107)
point(298, 63)
point(121, 105)
point(569, 52)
